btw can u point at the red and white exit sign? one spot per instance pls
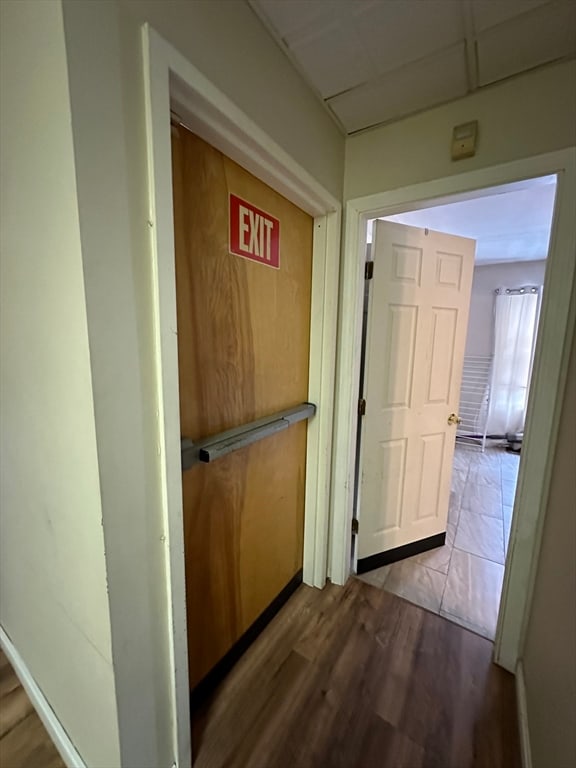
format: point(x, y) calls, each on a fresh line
point(254, 234)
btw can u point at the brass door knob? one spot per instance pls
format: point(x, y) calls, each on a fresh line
point(454, 419)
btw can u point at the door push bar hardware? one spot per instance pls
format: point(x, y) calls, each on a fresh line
point(212, 448)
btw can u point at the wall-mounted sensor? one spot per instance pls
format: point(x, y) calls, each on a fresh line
point(464, 138)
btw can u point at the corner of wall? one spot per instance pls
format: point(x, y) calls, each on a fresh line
point(523, 726)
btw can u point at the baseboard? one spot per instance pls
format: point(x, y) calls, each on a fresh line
point(53, 726)
point(390, 556)
point(523, 729)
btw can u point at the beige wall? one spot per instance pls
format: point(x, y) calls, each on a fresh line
point(487, 277)
point(53, 587)
point(521, 117)
point(228, 43)
point(81, 327)
point(549, 656)
point(117, 296)
point(104, 48)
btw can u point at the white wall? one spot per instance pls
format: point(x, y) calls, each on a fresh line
point(53, 590)
point(480, 338)
point(227, 43)
point(70, 349)
point(525, 116)
point(127, 452)
point(549, 656)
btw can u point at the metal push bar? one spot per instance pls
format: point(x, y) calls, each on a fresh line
point(212, 448)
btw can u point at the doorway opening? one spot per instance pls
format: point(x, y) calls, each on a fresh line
point(458, 571)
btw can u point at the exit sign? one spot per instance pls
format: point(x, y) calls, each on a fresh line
point(253, 233)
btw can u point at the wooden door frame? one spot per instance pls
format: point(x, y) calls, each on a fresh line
point(549, 372)
point(172, 82)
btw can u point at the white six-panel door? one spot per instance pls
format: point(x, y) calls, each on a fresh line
point(417, 324)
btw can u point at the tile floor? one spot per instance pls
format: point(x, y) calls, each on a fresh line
point(463, 579)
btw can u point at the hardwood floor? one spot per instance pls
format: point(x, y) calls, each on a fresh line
point(356, 677)
point(24, 742)
point(350, 677)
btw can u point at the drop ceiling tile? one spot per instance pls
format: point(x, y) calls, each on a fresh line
point(418, 86)
point(334, 61)
point(379, 60)
point(398, 32)
point(290, 17)
point(541, 35)
point(487, 13)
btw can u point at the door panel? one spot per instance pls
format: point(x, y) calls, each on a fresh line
point(399, 356)
point(432, 452)
point(440, 362)
point(243, 347)
point(417, 324)
point(392, 459)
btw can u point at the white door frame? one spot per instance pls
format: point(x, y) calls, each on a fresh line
point(549, 372)
point(172, 82)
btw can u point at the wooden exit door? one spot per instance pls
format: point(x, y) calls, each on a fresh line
point(417, 324)
point(243, 347)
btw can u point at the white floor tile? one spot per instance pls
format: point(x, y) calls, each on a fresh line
point(480, 535)
point(458, 480)
point(439, 558)
point(414, 582)
point(458, 484)
point(510, 465)
point(377, 577)
point(490, 476)
point(490, 458)
point(472, 592)
point(462, 457)
point(508, 492)
point(482, 499)
point(463, 579)
point(507, 525)
point(454, 508)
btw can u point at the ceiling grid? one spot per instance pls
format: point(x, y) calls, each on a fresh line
point(375, 61)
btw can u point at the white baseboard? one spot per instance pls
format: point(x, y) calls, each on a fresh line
point(523, 729)
point(45, 712)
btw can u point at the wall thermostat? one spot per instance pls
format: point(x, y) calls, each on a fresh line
point(464, 139)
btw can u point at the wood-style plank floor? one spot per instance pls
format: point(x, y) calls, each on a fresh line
point(24, 742)
point(356, 677)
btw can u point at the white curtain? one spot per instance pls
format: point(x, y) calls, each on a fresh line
point(515, 322)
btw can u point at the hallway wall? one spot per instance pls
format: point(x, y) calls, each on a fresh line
point(229, 44)
point(105, 59)
point(524, 116)
point(81, 450)
point(53, 584)
point(549, 656)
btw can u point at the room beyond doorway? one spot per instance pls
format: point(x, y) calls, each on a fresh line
point(462, 579)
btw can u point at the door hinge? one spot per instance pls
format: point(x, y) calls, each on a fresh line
point(354, 525)
point(361, 407)
point(369, 270)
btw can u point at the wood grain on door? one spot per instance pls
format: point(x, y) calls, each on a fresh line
point(243, 353)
